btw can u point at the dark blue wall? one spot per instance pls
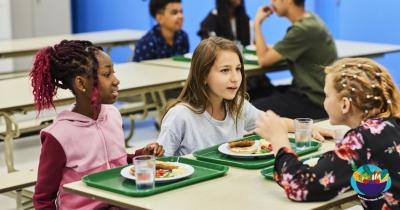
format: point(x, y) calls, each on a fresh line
point(363, 20)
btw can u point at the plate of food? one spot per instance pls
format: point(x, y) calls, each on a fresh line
point(188, 55)
point(250, 57)
point(247, 148)
point(165, 171)
point(251, 47)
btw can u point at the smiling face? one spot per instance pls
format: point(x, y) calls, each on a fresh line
point(333, 104)
point(225, 76)
point(171, 17)
point(107, 81)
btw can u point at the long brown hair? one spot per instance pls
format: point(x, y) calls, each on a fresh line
point(195, 94)
point(368, 85)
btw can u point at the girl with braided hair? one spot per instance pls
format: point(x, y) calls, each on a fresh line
point(361, 94)
point(86, 138)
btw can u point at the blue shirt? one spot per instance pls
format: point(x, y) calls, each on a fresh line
point(153, 45)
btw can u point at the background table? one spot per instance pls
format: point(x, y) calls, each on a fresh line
point(106, 39)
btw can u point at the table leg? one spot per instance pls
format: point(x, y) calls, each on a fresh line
point(8, 145)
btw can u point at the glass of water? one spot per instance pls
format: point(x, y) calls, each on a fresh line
point(303, 132)
point(340, 133)
point(145, 168)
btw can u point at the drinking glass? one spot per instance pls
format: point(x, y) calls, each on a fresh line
point(145, 167)
point(303, 131)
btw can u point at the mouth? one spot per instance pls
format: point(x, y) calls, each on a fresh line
point(115, 92)
point(233, 88)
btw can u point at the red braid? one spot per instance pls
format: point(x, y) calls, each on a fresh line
point(42, 82)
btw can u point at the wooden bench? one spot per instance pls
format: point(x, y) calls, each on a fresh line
point(16, 181)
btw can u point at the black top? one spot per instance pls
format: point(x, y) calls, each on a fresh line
point(220, 25)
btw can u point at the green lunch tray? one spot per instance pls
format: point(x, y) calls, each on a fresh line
point(247, 51)
point(268, 173)
point(183, 59)
point(212, 154)
point(111, 180)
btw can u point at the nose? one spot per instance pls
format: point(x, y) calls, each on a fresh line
point(180, 15)
point(116, 81)
point(236, 76)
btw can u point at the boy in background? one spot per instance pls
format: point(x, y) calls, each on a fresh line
point(167, 38)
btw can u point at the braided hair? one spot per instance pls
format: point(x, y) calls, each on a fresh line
point(57, 66)
point(368, 85)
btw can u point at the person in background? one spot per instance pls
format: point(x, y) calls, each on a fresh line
point(361, 94)
point(166, 39)
point(228, 20)
point(86, 138)
point(307, 47)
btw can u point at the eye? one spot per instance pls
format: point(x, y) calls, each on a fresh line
point(238, 68)
point(174, 12)
point(225, 70)
point(107, 74)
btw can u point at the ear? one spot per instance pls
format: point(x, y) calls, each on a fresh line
point(345, 105)
point(159, 17)
point(81, 83)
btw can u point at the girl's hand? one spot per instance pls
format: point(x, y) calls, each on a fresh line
point(320, 133)
point(262, 13)
point(154, 149)
point(273, 128)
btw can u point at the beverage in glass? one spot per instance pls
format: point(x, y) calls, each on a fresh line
point(145, 167)
point(303, 131)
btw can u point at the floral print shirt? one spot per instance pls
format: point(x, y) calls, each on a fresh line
point(376, 141)
point(153, 45)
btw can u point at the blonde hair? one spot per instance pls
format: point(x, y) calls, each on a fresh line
point(368, 85)
point(195, 93)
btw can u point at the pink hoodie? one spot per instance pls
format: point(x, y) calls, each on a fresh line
point(89, 146)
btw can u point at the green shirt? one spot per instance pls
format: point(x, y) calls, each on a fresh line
point(308, 47)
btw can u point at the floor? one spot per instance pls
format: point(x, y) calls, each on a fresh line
point(27, 150)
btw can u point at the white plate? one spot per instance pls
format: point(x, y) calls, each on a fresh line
point(250, 57)
point(188, 55)
point(225, 149)
point(251, 47)
point(189, 170)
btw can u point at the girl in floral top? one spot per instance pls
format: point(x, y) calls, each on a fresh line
point(360, 94)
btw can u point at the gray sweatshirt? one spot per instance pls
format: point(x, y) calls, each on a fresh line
point(183, 131)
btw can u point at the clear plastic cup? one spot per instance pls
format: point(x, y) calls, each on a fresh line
point(303, 132)
point(145, 168)
point(339, 133)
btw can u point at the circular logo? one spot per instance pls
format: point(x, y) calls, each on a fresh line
point(371, 181)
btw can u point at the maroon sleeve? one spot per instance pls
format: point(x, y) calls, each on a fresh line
point(137, 152)
point(51, 165)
